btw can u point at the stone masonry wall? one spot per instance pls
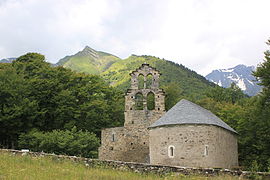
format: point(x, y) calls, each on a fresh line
point(194, 146)
point(144, 168)
point(111, 149)
point(129, 145)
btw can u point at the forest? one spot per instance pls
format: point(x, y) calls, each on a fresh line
point(57, 110)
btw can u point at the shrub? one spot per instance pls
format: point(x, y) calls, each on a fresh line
point(68, 142)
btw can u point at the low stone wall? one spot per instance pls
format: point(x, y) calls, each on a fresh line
point(145, 168)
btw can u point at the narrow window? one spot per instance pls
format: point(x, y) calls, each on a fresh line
point(150, 101)
point(206, 150)
point(139, 101)
point(113, 137)
point(149, 81)
point(171, 151)
point(140, 81)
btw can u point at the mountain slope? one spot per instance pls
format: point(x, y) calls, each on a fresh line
point(7, 60)
point(241, 75)
point(116, 71)
point(88, 61)
point(187, 80)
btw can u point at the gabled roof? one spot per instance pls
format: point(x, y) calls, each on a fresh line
point(186, 112)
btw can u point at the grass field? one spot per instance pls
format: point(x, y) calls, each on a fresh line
point(49, 168)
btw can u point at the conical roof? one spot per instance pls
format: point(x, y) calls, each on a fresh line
point(186, 112)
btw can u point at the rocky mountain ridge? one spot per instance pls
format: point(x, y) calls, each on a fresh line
point(241, 75)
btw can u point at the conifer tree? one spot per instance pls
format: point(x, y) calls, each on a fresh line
point(262, 74)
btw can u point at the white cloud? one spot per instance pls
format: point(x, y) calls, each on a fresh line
point(200, 34)
point(54, 29)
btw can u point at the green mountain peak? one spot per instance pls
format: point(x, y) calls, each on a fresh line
point(88, 61)
point(87, 51)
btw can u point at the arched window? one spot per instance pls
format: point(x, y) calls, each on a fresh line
point(149, 81)
point(171, 151)
point(150, 101)
point(141, 81)
point(139, 101)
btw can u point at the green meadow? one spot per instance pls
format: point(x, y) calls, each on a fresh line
point(50, 168)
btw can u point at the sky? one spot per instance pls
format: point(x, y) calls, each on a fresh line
point(203, 35)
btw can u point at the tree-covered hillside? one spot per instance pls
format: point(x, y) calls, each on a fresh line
point(191, 83)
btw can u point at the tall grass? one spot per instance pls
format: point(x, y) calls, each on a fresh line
point(50, 168)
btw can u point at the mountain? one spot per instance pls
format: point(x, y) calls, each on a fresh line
point(116, 71)
point(241, 75)
point(7, 60)
point(88, 61)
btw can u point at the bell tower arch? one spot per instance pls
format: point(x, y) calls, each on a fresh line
point(144, 101)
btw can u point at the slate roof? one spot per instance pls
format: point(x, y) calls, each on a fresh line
point(186, 112)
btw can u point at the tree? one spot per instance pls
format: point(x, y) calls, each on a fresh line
point(173, 95)
point(30, 65)
point(230, 95)
point(253, 128)
point(262, 74)
point(235, 93)
point(69, 142)
point(261, 117)
point(17, 111)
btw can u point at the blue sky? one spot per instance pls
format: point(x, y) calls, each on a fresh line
point(200, 34)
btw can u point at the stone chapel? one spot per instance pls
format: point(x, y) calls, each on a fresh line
point(187, 135)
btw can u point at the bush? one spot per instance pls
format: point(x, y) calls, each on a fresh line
point(68, 142)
